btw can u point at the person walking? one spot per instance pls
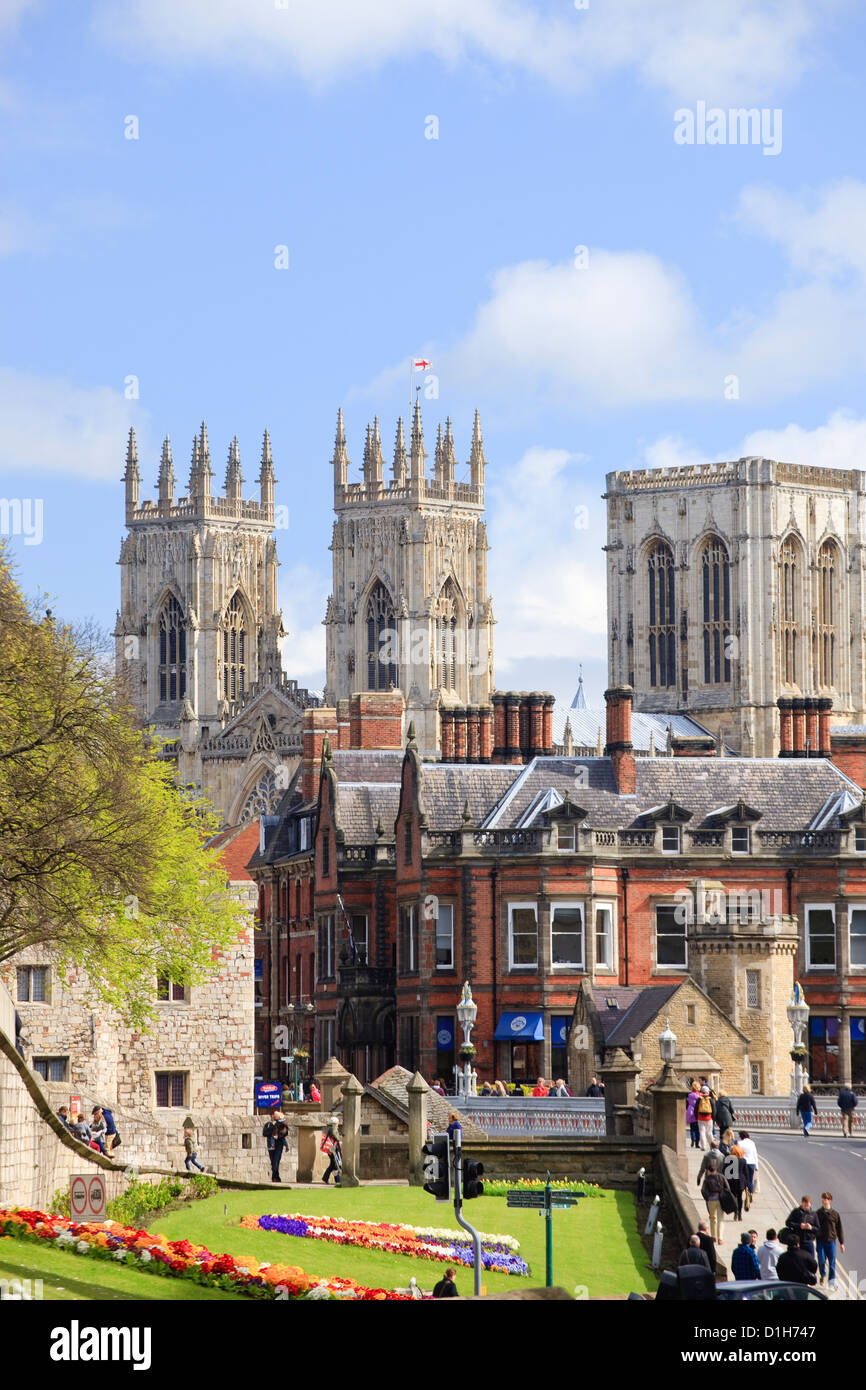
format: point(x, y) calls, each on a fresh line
point(446, 1288)
point(803, 1222)
point(276, 1133)
point(796, 1265)
point(768, 1254)
point(724, 1115)
point(744, 1261)
point(712, 1161)
point(807, 1108)
point(708, 1245)
point(539, 1089)
point(331, 1146)
point(693, 1254)
point(112, 1138)
point(704, 1117)
point(750, 1167)
point(735, 1171)
point(692, 1099)
point(500, 1089)
point(847, 1104)
point(593, 1090)
point(714, 1184)
point(829, 1232)
point(438, 1086)
point(190, 1150)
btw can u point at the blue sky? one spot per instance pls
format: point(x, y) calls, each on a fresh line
point(261, 126)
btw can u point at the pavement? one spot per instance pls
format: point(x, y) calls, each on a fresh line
point(788, 1166)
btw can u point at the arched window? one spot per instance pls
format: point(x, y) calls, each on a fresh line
point(790, 574)
point(828, 573)
point(381, 640)
point(234, 651)
point(716, 581)
point(662, 641)
point(445, 618)
point(172, 652)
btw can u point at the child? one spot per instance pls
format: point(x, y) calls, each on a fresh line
point(189, 1146)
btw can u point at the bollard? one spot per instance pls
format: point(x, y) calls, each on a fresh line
point(657, 1246)
point(653, 1213)
point(641, 1186)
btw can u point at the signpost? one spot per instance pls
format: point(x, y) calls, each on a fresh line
point(86, 1197)
point(546, 1202)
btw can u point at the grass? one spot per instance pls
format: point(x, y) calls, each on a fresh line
point(595, 1244)
point(68, 1277)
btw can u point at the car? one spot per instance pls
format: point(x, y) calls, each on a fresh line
point(757, 1290)
point(693, 1283)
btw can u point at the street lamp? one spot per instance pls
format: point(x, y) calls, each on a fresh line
point(798, 1017)
point(467, 1010)
point(667, 1047)
point(297, 1014)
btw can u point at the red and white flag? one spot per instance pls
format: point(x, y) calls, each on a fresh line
point(420, 364)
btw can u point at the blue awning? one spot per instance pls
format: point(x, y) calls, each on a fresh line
point(520, 1027)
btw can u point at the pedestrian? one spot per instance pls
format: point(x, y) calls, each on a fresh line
point(558, 1088)
point(63, 1116)
point(112, 1138)
point(438, 1086)
point(735, 1172)
point(563, 1089)
point(693, 1254)
point(517, 1089)
point(744, 1261)
point(708, 1245)
point(829, 1232)
point(847, 1103)
point(331, 1146)
point(796, 1265)
point(315, 1093)
point(704, 1117)
point(807, 1108)
point(692, 1099)
point(593, 1089)
point(487, 1090)
point(500, 1089)
point(190, 1150)
point(446, 1288)
point(724, 1114)
point(714, 1184)
point(275, 1132)
point(97, 1129)
point(768, 1254)
point(453, 1125)
point(803, 1222)
point(712, 1161)
point(539, 1089)
point(750, 1167)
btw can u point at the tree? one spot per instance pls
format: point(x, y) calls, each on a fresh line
point(104, 860)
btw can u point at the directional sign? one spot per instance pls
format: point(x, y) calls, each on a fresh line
point(525, 1199)
point(87, 1197)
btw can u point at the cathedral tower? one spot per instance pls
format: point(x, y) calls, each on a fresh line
point(409, 608)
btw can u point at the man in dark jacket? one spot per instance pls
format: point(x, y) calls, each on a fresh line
point(446, 1288)
point(708, 1245)
point(803, 1221)
point(796, 1266)
point(847, 1103)
point(712, 1161)
point(744, 1261)
point(724, 1116)
point(594, 1090)
point(829, 1231)
point(693, 1254)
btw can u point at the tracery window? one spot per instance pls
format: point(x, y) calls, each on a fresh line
point(172, 652)
point(828, 575)
point(662, 638)
point(445, 619)
point(790, 573)
point(234, 651)
point(381, 640)
point(716, 580)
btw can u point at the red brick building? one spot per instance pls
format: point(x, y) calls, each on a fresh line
point(387, 881)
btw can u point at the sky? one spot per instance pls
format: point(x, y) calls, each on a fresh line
point(550, 201)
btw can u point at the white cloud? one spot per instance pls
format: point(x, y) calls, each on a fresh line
point(742, 50)
point(823, 233)
point(841, 443)
point(545, 569)
point(48, 424)
point(303, 594)
point(671, 451)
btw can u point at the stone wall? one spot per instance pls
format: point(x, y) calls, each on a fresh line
point(711, 1030)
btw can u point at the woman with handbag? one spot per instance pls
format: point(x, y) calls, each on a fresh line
point(330, 1145)
point(718, 1197)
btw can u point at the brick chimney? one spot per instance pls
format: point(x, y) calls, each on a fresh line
point(376, 719)
point(812, 706)
point(798, 712)
point(786, 737)
point(618, 747)
point(318, 724)
point(825, 705)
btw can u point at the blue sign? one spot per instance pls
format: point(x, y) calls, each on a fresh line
point(257, 969)
point(268, 1095)
point(445, 1034)
point(559, 1030)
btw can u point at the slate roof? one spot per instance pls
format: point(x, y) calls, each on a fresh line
point(361, 806)
point(637, 1009)
point(393, 1083)
point(446, 788)
point(585, 724)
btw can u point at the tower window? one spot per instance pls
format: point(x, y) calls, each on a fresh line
point(446, 638)
point(828, 570)
point(716, 572)
point(381, 640)
point(234, 651)
point(172, 653)
point(662, 637)
point(790, 572)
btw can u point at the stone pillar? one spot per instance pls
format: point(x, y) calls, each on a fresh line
point(309, 1130)
point(352, 1093)
point(844, 1045)
point(619, 1093)
point(669, 1115)
point(418, 1091)
point(331, 1077)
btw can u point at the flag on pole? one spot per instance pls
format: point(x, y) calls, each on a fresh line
point(353, 950)
point(420, 364)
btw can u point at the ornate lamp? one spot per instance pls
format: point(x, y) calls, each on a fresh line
point(668, 1044)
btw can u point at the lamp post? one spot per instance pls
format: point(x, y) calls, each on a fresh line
point(467, 1010)
point(798, 1017)
point(297, 1014)
point(667, 1048)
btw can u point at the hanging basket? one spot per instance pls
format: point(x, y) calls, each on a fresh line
point(799, 1054)
point(467, 1052)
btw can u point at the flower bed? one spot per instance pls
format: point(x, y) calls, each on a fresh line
point(155, 1254)
point(498, 1187)
point(424, 1242)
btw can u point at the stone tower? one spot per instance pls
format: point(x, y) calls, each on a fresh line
point(198, 631)
point(409, 608)
point(731, 585)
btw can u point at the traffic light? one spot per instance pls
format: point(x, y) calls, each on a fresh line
point(437, 1167)
point(472, 1184)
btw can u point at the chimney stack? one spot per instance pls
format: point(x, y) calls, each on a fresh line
point(825, 705)
point(619, 747)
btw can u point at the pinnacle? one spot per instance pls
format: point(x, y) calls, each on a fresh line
point(131, 451)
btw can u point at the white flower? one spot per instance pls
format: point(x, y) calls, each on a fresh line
point(318, 1291)
point(119, 1255)
point(145, 1257)
point(82, 1247)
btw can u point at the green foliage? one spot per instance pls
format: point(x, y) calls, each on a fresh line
point(105, 862)
point(141, 1199)
point(60, 1204)
point(498, 1187)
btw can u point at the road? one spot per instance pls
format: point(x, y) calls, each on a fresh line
point(824, 1163)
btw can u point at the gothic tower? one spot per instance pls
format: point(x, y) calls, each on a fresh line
point(409, 607)
point(198, 631)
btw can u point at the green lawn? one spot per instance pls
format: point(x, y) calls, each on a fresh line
point(82, 1277)
point(595, 1244)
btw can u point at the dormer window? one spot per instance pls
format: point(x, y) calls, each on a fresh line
point(566, 838)
point(860, 839)
point(741, 839)
point(671, 839)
